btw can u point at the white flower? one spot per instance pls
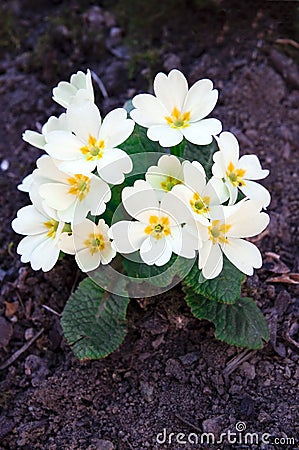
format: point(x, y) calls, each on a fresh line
point(91, 144)
point(53, 124)
point(228, 226)
point(239, 173)
point(157, 231)
point(176, 112)
point(80, 85)
point(165, 175)
point(26, 184)
point(73, 196)
point(200, 196)
point(89, 243)
point(41, 245)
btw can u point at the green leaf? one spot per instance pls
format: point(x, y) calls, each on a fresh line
point(138, 142)
point(226, 288)
point(201, 153)
point(158, 276)
point(178, 150)
point(241, 324)
point(94, 321)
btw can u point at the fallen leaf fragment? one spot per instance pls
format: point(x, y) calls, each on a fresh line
point(272, 263)
point(289, 278)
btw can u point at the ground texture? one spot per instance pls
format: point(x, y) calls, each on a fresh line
point(170, 373)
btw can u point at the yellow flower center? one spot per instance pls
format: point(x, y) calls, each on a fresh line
point(94, 149)
point(158, 227)
point(169, 182)
point(235, 176)
point(80, 186)
point(217, 232)
point(178, 119)
point(200, 205)
point(95, 243)
point(52, 226)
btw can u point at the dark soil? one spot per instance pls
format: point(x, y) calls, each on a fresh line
point(170, 371)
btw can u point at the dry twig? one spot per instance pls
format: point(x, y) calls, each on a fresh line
point(19, 352)
point(236, 361)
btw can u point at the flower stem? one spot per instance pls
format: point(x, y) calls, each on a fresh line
point(178, 150)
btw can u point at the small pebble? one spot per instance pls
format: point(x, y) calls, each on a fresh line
point(4, 165)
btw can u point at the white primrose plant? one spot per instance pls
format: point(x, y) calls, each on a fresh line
point(193, 205)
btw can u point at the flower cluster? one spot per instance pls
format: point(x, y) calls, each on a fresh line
point(174, 209)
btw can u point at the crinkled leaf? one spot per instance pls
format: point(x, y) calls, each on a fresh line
point(226, 288)
point(201, 153)
point(138, 142)
point(94, 321)
point(241, 324)
point(158, 276)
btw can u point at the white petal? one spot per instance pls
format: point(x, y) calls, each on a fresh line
point(116, 128)
point(98, 196)
point(57, 195)
point(156, 180)
point(45, 256)
point(63, 92)
point(229, 146)
point(167, 136)
point(183, 243)
point(244, 255)
point(175, 208)
point(202, 132)
point(168, 165)
point(34, 138)
point(27, 245)
point(29, 221)
point(107, 254)
point(55, 123)
point(63, 145)
point(204, 252)
point(127, 236)
point(80, 85)
point(194, 176)
point(155, 251)
point(48, 170)
point(217, 191)
point(233, 192)
point(75, 213)
point(200, 231)
point(88, 84)
point(253, 167)
point(81, 80)
point(256, 191)
point(171, 90)
point(26, 184)
point(66, 243)
point(149, 110)
point(247, 220)
point(81, 231)
point(219, 167)
point(201, 99)
point(113, 165)
point(183, 192)
point(84, 119)
point(139, 198)
point(80, 165)
point(87, 261)
point(213, 261)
